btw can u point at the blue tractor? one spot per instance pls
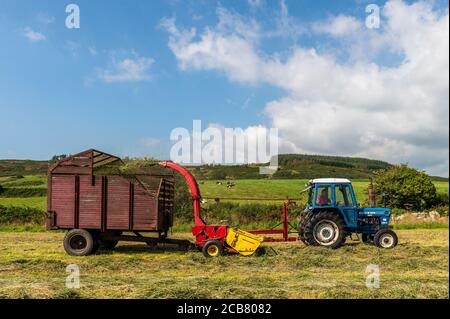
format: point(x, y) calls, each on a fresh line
point(332, 214)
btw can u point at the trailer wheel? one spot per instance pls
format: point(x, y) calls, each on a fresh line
point(386, 238)
point(79, 242)
point(212, 248)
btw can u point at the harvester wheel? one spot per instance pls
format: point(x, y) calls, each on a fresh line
point(79, 242)
point(212, 248)
point(324, 228)
point(386, 238)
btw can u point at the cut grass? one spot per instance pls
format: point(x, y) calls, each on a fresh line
point(186, 228)
point(33, 265)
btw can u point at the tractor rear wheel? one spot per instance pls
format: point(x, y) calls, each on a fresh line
point(324, 228)
point(301, 231)
point(213, 248)
point(386, 238)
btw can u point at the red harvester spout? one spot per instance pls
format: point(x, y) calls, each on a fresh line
point(193, 187)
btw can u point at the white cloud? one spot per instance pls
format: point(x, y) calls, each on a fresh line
point(130, 69)
point(286, 25)
point(214, 51)
point(44, 18)
point(356, 107)
point(338, 26)
point(31, 35)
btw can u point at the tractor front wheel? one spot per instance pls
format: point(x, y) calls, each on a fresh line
point(213, 248)
point(386, 238)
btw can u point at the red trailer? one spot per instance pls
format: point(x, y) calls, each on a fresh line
point(97, 209)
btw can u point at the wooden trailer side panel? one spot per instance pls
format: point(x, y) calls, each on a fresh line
point(145, 210)
point(63, 200)
point(165, 204)
point(118, 203)
point(90, 202)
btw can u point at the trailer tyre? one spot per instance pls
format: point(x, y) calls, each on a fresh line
point(213, 248)
point(79, 242)
point(386, 238)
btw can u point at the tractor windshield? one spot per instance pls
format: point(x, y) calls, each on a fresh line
point(343, 196)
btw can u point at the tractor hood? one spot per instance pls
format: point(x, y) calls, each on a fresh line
point(381, 212)
point(375, 211)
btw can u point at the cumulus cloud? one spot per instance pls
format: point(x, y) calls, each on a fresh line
point(130, 69)
point(338, 26)
point(31, 35)
point(232, 52)
point(357, 107)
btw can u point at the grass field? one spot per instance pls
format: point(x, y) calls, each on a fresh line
point(33, 265)
point(280, 188)
point(34, 202)
point(28, 181)
point(247, 188)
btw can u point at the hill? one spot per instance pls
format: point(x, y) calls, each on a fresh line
point(297, 166)
point(23, 167)
point(291, 166)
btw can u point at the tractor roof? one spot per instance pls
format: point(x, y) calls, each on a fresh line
point(329, 180)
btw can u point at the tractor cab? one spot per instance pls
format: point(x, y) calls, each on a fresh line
point(332, 213)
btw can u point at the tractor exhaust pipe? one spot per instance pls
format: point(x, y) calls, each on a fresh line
point(372, 195)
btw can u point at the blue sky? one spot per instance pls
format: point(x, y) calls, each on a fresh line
point(62, 90)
